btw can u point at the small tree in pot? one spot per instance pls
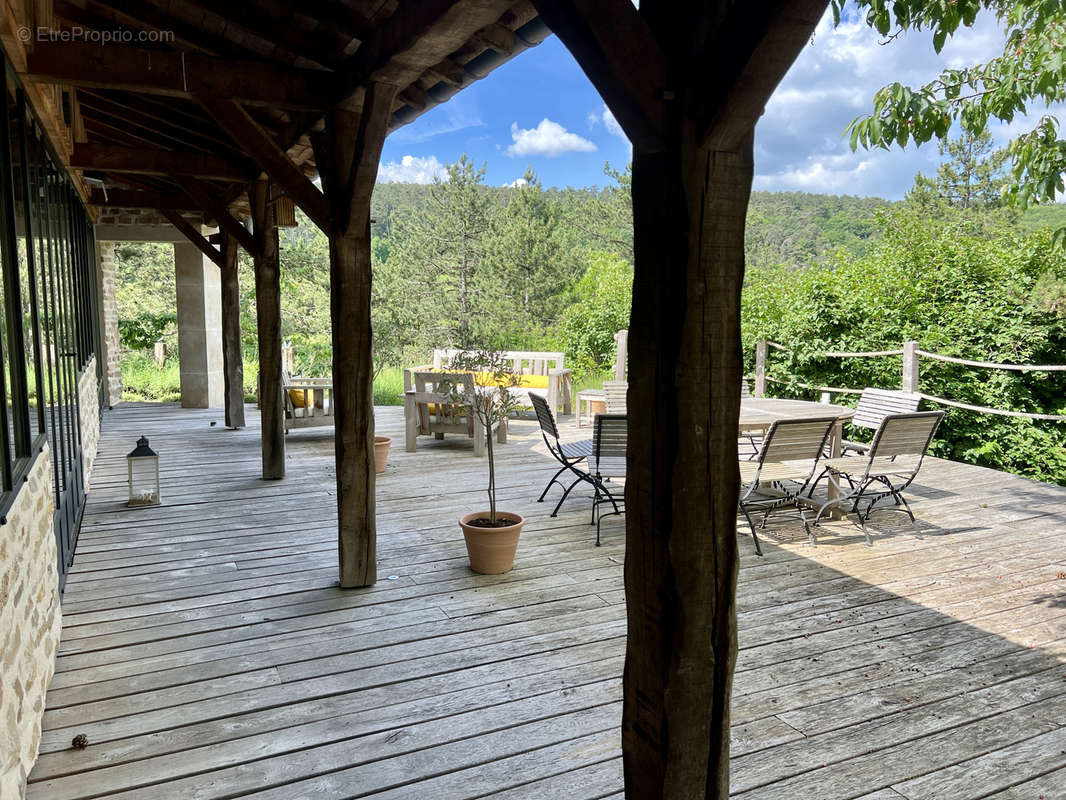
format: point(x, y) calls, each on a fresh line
point(491, 536)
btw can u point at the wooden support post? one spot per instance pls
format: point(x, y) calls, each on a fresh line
point(268, 325)
point(692, 129)
point(347, 155)
point(910, 367)
point(762, 350)
point(232, 360)
point(689, 206)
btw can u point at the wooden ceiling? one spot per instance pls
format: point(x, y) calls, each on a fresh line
point(199, 97)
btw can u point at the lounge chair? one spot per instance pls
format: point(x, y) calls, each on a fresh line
point(784, 469)
point(889, 466)
point(610, 436)
point(569, 454)
point(752, 438)
point(614, 396)
point(874, 406)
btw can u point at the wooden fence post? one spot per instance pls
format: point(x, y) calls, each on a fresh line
point(621, 340)
point(288, 359)
point(910, 366)
point(761, 351)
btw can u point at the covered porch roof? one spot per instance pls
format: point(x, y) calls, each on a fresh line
point(179, 106)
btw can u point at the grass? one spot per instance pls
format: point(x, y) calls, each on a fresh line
point(143, 379)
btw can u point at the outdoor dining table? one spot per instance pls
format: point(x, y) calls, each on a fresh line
point(757, 414)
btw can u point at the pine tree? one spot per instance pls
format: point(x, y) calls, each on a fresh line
point(529, 265)
point(437, 264)
point(972, 177)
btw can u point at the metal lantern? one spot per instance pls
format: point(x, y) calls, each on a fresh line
point(143, 475)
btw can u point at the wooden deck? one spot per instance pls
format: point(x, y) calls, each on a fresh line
point(207, 653)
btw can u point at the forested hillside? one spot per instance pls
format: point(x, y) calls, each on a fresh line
point(459, 263)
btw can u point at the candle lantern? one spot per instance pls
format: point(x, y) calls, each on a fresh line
point(143, 465)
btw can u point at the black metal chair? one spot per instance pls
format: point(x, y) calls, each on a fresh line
point(610, 438)
point(569, 454)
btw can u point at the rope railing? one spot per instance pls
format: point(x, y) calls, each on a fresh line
point(872, 354)
point(986, 410)
point(993, 365)
point(911, 356)
point(802, 385)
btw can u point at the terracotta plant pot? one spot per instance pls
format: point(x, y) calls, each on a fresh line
point(491, 550)
point(381, 452)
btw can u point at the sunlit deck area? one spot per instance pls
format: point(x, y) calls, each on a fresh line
point(207, 652)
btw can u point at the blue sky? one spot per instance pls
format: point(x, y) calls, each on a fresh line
point(540, 110)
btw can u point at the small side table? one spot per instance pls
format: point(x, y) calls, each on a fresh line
point(590, 402)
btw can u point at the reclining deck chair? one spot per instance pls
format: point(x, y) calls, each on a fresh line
point(569, 454)
point(784, 470)
point(874, 406)
point(890, 465)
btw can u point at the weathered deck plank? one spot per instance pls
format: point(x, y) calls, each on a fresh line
point(208, 652)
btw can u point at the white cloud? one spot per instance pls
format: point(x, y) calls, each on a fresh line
point(517, 183)
point(458, 114)
point(799, 143)
point(612, 126)
point(411, 169)
point(547, 139)
point(605, 116)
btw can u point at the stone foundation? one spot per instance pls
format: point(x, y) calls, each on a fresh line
point(29, 624)
point(89, 417)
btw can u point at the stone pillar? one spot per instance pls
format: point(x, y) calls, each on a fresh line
point(111, 371)
point(199, 328)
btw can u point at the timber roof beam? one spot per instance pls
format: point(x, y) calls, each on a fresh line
point(608, 53)
point(178, 74)
point(146, 161)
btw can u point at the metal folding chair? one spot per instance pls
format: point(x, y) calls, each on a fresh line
point(610, 436)
point(784, 469)
point(889, 466)
point(569, 454)
point(874, 406)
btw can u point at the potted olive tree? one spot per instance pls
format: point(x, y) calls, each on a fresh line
point(492, 535)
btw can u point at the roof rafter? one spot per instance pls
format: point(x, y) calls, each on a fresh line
point(194, 236)
point(261, 146)
point(146, 161)
point(131, 198)
point(212, 204)
point(178, 74)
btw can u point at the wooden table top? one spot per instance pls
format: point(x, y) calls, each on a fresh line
point(756, 413)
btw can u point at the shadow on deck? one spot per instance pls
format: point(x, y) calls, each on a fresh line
point(208, 653)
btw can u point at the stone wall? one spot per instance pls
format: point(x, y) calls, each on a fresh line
point(109, 339)
point(89, 417)
point(29, 624)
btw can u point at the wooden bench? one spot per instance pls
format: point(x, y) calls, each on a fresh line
point(550, 365)
point(317, 408)
point(427, 410)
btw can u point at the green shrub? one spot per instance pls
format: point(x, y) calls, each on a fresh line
point(140, 331)
point(600, 308)
point(957, 292)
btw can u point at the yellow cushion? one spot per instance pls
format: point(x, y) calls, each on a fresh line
point(524, 381)
point(298, 399)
